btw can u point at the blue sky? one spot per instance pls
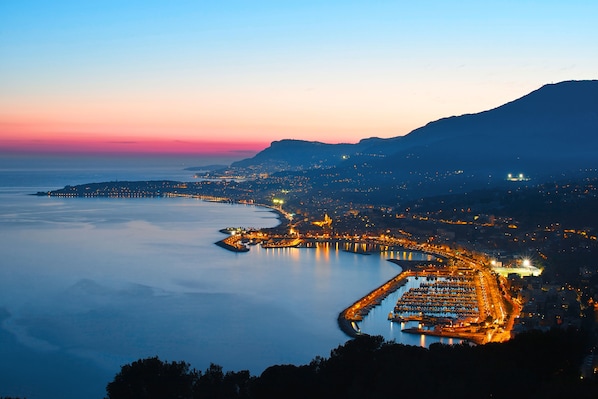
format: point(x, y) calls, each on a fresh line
point(257, 71)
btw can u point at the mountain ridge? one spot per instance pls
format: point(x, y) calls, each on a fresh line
point(556, 123)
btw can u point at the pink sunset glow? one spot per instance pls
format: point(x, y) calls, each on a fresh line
point(131, 146)
point(216, 79)
point(42, 135)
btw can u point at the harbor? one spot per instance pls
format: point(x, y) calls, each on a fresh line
point(451, 295)
point(349, 317)
point(449, 301)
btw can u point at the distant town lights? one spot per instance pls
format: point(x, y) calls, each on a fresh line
point(518, 177)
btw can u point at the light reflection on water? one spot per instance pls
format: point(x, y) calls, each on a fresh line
point(87, 285)
point(377, 323)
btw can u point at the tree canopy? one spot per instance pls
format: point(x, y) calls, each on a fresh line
point(532, 365)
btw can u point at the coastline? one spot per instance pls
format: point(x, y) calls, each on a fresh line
point(234, 244)
point(347, 320)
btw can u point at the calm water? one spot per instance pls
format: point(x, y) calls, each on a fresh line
point(87, 285)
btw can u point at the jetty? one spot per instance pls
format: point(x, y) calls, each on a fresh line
point(348, 318)
point(233, 244)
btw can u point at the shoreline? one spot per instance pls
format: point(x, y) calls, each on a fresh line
point(466, 336)
point(347, 319)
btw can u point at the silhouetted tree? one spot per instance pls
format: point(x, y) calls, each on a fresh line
point(214, 384)
point(152, 378)
point(532, 365)
point(285, 381)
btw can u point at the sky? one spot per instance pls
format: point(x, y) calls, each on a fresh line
point(229, 77)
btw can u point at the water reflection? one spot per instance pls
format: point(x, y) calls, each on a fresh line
point(376, 322)
point(111, 281)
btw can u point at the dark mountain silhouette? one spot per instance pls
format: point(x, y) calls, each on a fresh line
point(552, 129)
point(297, 155)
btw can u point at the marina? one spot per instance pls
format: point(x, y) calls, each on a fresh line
point(448, 301)
point(451, 299)
point(349, 317)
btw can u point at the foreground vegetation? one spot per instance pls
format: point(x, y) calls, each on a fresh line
point(532, 365)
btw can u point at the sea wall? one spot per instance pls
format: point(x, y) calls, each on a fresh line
point(358, 310)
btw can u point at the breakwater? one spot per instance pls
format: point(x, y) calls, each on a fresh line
point(348, 318)
point(233, 247)
point(232, 243)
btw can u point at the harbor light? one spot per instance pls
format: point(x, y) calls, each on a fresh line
point(517, 177)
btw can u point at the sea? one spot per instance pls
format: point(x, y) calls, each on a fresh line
point(88, 285)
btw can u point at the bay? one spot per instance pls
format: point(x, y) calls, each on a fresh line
point(87, 285)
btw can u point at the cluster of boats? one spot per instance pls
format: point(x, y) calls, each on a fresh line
point(439, 300)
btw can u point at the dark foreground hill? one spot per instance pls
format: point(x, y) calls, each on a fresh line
point(533, 365)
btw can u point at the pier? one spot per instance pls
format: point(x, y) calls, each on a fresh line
point(350, 316)
point(233, 244)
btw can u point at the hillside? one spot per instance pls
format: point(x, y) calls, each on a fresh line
point(552, 129)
